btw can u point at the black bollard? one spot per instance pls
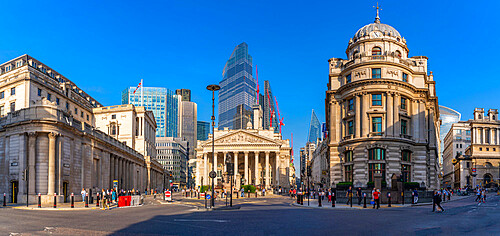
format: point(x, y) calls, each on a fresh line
point(403, 197)
point(198, 195)
point(350, 199)
point(86, 200)
point(298, 200)
point(364, 200)
point(39, 200)
point(55, 200)
point(389, 199)
point(333, 199)
point(97, 202)
point(256, 193)
point(319, 200)
point(72, 200)
point(91, 199)
point(205, 199)
point(4, 200)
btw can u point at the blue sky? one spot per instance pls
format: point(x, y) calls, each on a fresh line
point(105, 47)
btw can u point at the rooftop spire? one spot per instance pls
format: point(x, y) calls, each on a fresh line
point(377, 19)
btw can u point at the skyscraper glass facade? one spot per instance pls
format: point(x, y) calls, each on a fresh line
point(164, 104)
point(203, 130)
point(270, 112)
point(314, 129)
point(237, 93)
point(448, 118)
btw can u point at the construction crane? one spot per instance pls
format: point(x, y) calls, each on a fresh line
point(280, 119)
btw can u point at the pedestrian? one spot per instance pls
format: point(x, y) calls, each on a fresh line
point(83, 192)
point(478, 194)
point(349, 195)
point(329, 195)
point(373, 199)
point(415, 196)
point(376, 197)
point(359, 194)
point(436, 201)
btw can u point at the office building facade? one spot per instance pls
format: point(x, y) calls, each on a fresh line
point(448, 118)
point(314, 129)
point(173, 156)
point(203, 129)
point(455, 143)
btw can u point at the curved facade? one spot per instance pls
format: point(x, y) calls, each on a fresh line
point(448, 118)
point(382, 112)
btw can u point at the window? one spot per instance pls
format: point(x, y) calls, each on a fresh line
point(405, 77)
point(113, 117)
point(403, 103)
point(468, 164)
point(57, 101)
point(467, 132)
point(376, 154)
point(406, 173)
point(406, 155)
point(376, 168)
point(348, 173)
point(457, 145)
point(348, 79)
point(460, 145)
point(76, 111)
point(350, 127)
point(2, 95)
point(348, 156)
point(13, 91)
point(376, 73)
point(49, 96)
point(404, 127)
point(376, 99)
point(376, 51)
point(355, 54)
point(350, 104)
point(113, 129)
point(39, 92)
point(81, 114)
point(88, 117)
point(12, 106)
point(398, 54)
point(376, 124)
point(2, 111)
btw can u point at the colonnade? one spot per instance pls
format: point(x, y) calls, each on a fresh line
point(485, 135)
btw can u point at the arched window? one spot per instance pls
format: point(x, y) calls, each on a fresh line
point(488, 165)
point(112, 129)
point(376, 51)
point(355, 54)
point(398, 54)
point(376, 154)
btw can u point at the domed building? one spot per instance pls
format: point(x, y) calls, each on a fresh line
point(382, 112)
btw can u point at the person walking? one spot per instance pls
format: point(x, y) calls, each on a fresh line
point(359, 194)
point(376, 196)
point(436, 201)
point(415, 196)
point(373, 199)
point(478, 194)
point(83, 193)
point(349, 195)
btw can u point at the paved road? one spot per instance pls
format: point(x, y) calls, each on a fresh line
point(269, 216)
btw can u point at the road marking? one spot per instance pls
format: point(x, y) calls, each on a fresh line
point(208, 220)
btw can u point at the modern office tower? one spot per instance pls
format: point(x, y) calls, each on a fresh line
point(314, 129)
point(237, 93)
point(448, 118)
point(184, 93)
point(203, 129)
point(164, 104)
point(270, 112)
point(187, 125)
point(172, 155)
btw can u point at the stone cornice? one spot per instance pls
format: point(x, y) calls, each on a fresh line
point(365, 82)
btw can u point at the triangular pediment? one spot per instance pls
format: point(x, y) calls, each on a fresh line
point(241, 137)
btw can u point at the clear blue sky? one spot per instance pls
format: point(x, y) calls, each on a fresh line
point(106, 46)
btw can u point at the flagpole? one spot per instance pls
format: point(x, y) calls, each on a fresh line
point(142, 93)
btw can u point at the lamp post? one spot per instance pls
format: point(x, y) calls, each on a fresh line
point(213, 174)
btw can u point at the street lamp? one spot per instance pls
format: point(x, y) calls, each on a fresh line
point(213, 174)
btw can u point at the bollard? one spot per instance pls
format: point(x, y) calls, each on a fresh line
point(198, 195)
point(39, 200)
point(364, 200)
point(4, 200)
point(97, 202)
point(91, 199)
point(319, 200)
point(55, 200)
point(248, 195)
point(256, 193)
point(389, 199)
point(333, 199)
point(350, 199)
point(298, 200)
point(86, 200)
point(72, 200)
point(403, 197)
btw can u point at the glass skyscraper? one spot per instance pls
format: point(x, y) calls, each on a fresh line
point(203, 130)
point(238, 87)
point(270, 114)
point(314, 129)
point(164, 104)
point(448, 118)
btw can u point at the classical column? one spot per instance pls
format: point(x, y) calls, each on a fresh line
point(246, 169)
point(364, 116)
point(474, 135)
point(224, 168)
point(235, 166)
point(205, 172)
point(277, 170)
point(111, 168)
point(60, 165)
point(389, 108)
point(414, 119)
point(483, 135)
point(267, 170)
point(333, 121)
point(257, 180)
point(357, 122)
point(215, 164)
point(397, 125)
point(492, 137)
point(52, 164)
point(31, 161)
point(421, 118)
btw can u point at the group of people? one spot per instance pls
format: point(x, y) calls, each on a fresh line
point(109, 196)
point(480, 195)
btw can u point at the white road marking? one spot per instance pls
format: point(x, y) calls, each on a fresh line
point(208, 220)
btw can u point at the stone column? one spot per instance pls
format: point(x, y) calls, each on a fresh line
point(414, 119)
point(235, 166)
point(389, 108)
point(60, 165)
point(111, 169)
point(205, 172)
point(332, 132)
point(267, 170)
point(246, 169)
point(474, 135)
point(257, 180)
point(52, 164)
point(215, 164)
point(357, 122)
point(364, 115)
point(421, 118)
point(31, 161)
point(224, 167)
point(483, 135)
point(277, 170)
point(492, 137)
point(397, 125)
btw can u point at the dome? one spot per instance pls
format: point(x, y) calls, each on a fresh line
point(376, 26)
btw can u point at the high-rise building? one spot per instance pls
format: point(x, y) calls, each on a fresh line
point(188, 125)
point(448, 118)
point(314, 129)
point(455, 143)
point(172, 155)
point(270, 113)
point(184, 93)
point(164, 104)
point(237, 93)
point(203, 129)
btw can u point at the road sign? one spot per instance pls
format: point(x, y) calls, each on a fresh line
point(474, 170)
point(208, 196)
point(168, 196)
point(213, 174)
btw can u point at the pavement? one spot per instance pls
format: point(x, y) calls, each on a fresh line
point(262, 216)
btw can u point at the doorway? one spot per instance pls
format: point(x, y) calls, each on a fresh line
point(65, 191)
point(14, 191)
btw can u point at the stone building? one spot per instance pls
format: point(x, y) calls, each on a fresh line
point(262, 157)
point(455, 144)
point(48, 140)
point(483, 155)
point(382, 111)
point(173, 155)
point(320, 166)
